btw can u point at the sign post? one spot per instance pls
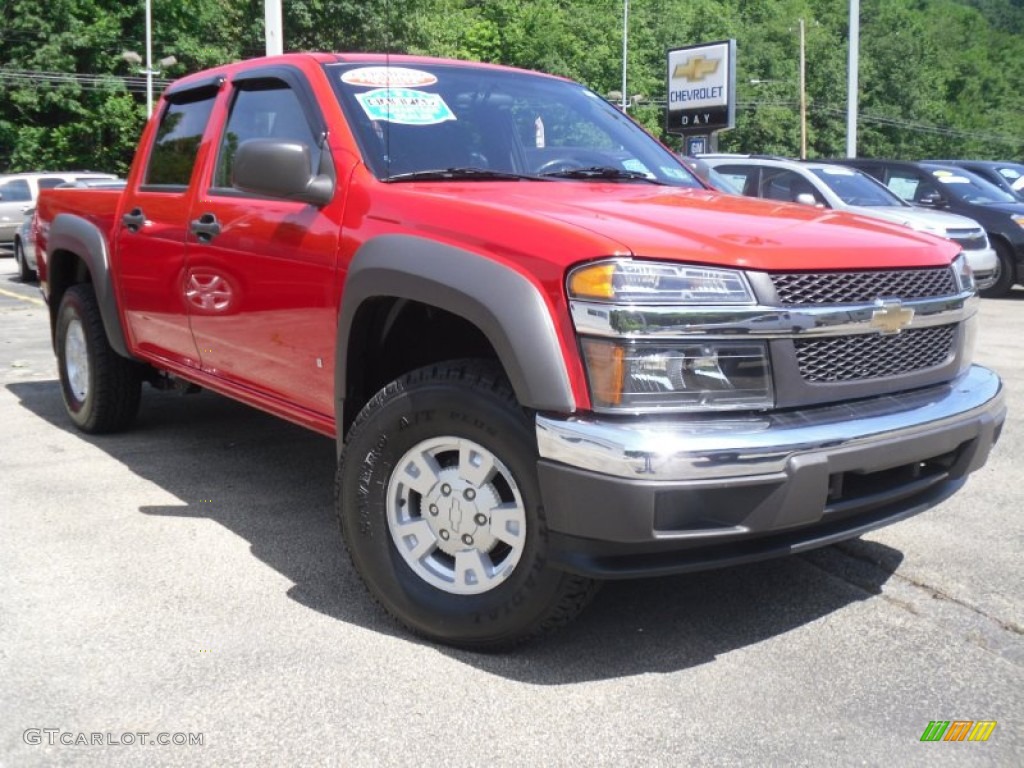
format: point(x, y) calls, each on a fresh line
point(701, 93)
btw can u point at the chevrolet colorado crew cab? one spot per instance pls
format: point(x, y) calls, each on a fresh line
point(549, 355)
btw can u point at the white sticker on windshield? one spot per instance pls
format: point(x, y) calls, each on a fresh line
point(675, 173)
point(383, 77)
point(838, 171)
point(405, 106)
point(954, 179)
point(635, 165)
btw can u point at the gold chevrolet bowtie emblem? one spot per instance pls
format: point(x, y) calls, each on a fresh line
point(696, 68)
point(891, 317)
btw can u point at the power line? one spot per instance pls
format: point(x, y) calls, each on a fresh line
point(907, 125)
point(89, 82)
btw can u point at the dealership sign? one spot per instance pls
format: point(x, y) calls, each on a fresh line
point(702, 88)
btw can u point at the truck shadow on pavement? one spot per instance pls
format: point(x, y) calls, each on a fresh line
point(272, 484)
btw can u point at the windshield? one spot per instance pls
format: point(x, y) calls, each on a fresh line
point(856, 188)
point(971, 189)
point(413, 121)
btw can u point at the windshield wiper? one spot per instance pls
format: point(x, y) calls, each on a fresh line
point(472, 174)
point(602, 173)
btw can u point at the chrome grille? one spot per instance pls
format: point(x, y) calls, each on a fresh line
point(855, 287)
point(968, 239)
point(873, 356)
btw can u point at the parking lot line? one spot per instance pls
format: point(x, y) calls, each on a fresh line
point(29, 299)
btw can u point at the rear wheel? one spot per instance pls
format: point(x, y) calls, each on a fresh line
point(440, 510)
point(101, 389)
point(25, 272)
point(1006, 272)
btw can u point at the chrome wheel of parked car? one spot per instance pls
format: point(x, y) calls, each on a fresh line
point(440, 509)
point(25, 272)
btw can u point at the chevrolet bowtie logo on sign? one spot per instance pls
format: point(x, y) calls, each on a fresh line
point(891, 317)
point(696, 68)
point(701, 88)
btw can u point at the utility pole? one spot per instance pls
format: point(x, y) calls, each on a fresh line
point(149, 58)
point(273, 26)
point(625, 38)
point(851, 79)
point(803, 95)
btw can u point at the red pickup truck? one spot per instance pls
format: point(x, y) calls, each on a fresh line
point(548, 353)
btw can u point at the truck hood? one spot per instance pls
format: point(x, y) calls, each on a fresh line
point(567, 222)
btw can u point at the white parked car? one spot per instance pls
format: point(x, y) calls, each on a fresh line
point(25, 236)
point(847, 189)
point(18, 193)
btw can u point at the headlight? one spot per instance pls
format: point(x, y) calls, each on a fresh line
point(964, 273)
point(644, 282)
point(682, 376)
point(1018, 219)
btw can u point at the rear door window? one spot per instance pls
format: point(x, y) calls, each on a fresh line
point(15, 191)
point(173, 156)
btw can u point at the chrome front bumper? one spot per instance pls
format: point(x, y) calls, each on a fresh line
point(720, 446)
point(644, 495)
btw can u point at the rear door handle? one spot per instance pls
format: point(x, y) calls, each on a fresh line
point(205, 228)
point(134, 219)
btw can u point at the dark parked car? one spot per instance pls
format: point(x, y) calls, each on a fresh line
point(951, 188)
point(1005, 175)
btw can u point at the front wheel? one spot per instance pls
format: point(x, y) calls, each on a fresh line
point(440, 510)
point(101, 389)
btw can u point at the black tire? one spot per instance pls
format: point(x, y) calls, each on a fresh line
point(425, 413)
point(1006, 273)
point(101, 389)
point(26, 273)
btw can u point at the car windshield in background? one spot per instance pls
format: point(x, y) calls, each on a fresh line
point(971, 188)
point(856, 188)
point(445, 122)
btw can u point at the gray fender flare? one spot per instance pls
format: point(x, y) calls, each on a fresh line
point(504, 305)
point(81, 237)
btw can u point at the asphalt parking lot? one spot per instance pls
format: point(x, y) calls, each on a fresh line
point(185, 580)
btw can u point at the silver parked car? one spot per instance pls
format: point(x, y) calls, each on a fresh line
point(847, 189)
point(18, 193)
point(25, 236)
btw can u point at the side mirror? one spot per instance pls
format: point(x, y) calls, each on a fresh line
point(279, 169)
point(806, 198)
point(933, 200)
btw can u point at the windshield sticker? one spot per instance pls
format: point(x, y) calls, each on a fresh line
point(838, 172)
point(954, 179)
point(674, 173)
point(635, 165)
point(382, 77)
point(405, 106)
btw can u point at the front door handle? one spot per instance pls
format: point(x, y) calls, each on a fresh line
point(205, 228)
point(134, 219)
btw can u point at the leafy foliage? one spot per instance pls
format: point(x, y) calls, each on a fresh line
point(937, 78)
